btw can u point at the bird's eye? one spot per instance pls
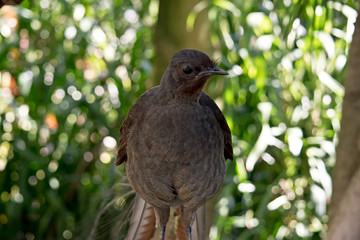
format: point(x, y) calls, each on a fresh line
point(187, 69)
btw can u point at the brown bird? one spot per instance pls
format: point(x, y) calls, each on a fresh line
point(9, 2)
point(175, 140)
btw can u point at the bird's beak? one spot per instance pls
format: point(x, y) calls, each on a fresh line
point(212, 71)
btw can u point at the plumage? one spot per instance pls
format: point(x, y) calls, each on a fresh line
point(142, 223)
point(9, 2)
point(175, 139)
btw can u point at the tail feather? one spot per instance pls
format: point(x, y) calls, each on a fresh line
point(199, 227)
point(180, 227)
point(142, 223)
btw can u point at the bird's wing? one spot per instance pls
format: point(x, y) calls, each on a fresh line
point(206, 101)
point(123, 136)
point(136, 113)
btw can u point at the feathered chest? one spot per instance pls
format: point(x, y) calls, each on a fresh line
point(178, 130)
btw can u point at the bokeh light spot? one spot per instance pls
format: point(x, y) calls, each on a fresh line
point(40, 174)
point(32, 180)
point(67, 234)
point(105, 158)
point(79, 12)
point(109, 142)
point(53, 166)
point(88, 156)
point(51, 121)
point(3, 219)
point(54, 183)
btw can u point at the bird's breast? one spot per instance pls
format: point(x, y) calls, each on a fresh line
point(181, 132)
point(174, 153)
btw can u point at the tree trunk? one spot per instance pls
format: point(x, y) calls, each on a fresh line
point(344, 210)
point(171, 34)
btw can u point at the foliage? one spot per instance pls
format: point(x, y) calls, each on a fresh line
point(283, 102)
point(70, 71)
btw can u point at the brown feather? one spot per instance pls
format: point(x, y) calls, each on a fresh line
point(197, 229)
point(180, 227)
point(125, 128)
point(142, 223)
point(160, 167)
point(206, 101)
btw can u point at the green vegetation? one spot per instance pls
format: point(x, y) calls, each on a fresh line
point(70, 71)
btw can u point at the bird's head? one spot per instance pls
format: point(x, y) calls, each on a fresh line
point(188, 72)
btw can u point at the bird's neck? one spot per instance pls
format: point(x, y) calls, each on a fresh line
point(175, 91)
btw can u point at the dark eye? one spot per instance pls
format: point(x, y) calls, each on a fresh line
point(187, 69)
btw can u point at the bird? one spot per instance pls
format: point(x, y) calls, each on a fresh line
point(175, 140)
point(9, 2)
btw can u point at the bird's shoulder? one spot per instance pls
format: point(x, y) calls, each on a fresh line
point(148, 98)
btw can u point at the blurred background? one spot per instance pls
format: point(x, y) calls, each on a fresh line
point(70, 70)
